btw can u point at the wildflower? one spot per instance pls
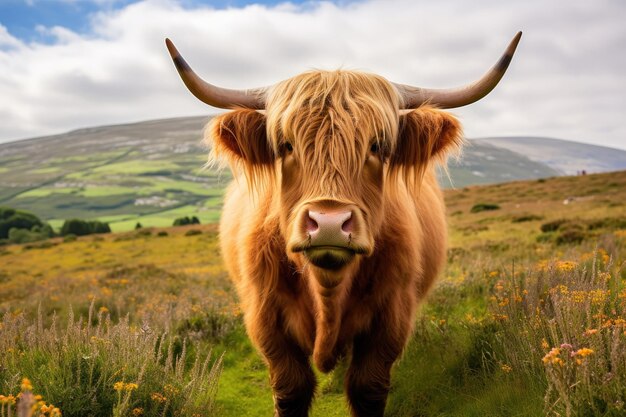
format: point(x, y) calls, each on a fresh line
point(506, 368)
point(118, 386)
point(169, 389)
point(566, 346)
point(130, 386)
point(493, 274)
point(500, 317)
point(565, 266)
point(103, 310)
point(590, 332)
point(584, 352)
point(544, 344)
point(137, 411)
point(552, 357)
point(26, 385)
point(158, 397)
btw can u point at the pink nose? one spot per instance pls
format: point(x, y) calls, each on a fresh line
point(330, 228)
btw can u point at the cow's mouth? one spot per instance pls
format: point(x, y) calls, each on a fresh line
point(329, 257)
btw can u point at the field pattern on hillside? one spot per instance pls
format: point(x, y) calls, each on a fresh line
point(117, 174)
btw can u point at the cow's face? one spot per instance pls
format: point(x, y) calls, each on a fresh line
point(330, 141)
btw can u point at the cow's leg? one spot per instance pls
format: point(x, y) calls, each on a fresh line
point(292, 379)
point(369, 375)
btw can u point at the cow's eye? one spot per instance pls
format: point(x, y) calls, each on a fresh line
point(375, 148)
point(288, 147)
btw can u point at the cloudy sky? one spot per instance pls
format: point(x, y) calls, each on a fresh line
point(66, 64)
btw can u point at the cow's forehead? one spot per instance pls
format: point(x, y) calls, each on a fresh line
point(359, 104)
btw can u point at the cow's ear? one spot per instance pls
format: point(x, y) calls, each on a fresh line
point(240, 137)
point(426, 134)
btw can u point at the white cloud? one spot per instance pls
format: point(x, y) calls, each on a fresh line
point(567, 79)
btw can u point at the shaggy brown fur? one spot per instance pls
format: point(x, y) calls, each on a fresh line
point(333, 139)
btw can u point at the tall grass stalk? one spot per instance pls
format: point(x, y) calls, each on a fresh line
point(563, 324)
point(96, 367)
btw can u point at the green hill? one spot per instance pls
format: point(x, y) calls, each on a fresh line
point(152, 172)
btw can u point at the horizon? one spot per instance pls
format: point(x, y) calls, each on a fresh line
point(77, 129)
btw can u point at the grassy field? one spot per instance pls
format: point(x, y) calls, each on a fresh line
point(528, 318)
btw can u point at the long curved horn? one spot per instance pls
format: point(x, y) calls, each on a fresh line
point(460, 96)
point(212, 95)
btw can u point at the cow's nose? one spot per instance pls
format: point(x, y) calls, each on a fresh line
point(329, 228)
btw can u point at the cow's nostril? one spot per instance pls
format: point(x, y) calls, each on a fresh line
point(348, 225)
point(311, 225)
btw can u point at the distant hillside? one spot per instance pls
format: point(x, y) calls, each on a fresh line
point(483, 163)
point(564, 156)
point(151, 172)
point(122, 174)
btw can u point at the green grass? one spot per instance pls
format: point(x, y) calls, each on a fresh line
point(135, 167)
point(46, 192)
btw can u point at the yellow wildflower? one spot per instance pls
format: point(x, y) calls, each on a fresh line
point(500, 317)
point(26, 385)
point(158, 397)
point(552, 357)
point(118, 386)
point(103, 310)
point(170, 389)
point(130, 386)
point(565, 266)
point(584, 352)
point(544, 344)
point(137, 412)
point(506, 368)
point(590, 332)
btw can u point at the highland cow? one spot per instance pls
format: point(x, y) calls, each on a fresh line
point(334, 228)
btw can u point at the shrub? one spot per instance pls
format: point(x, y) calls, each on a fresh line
point(17, 235)
point(553, 225)
point(608, 223)
point(571, 235)
point(162, 233)
point(477, 208)
point(16, 219)
point(526, 218)
point(138, 226)
point(82, 228)
point(69, 238)
point(193, 232)
point(183, 221)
